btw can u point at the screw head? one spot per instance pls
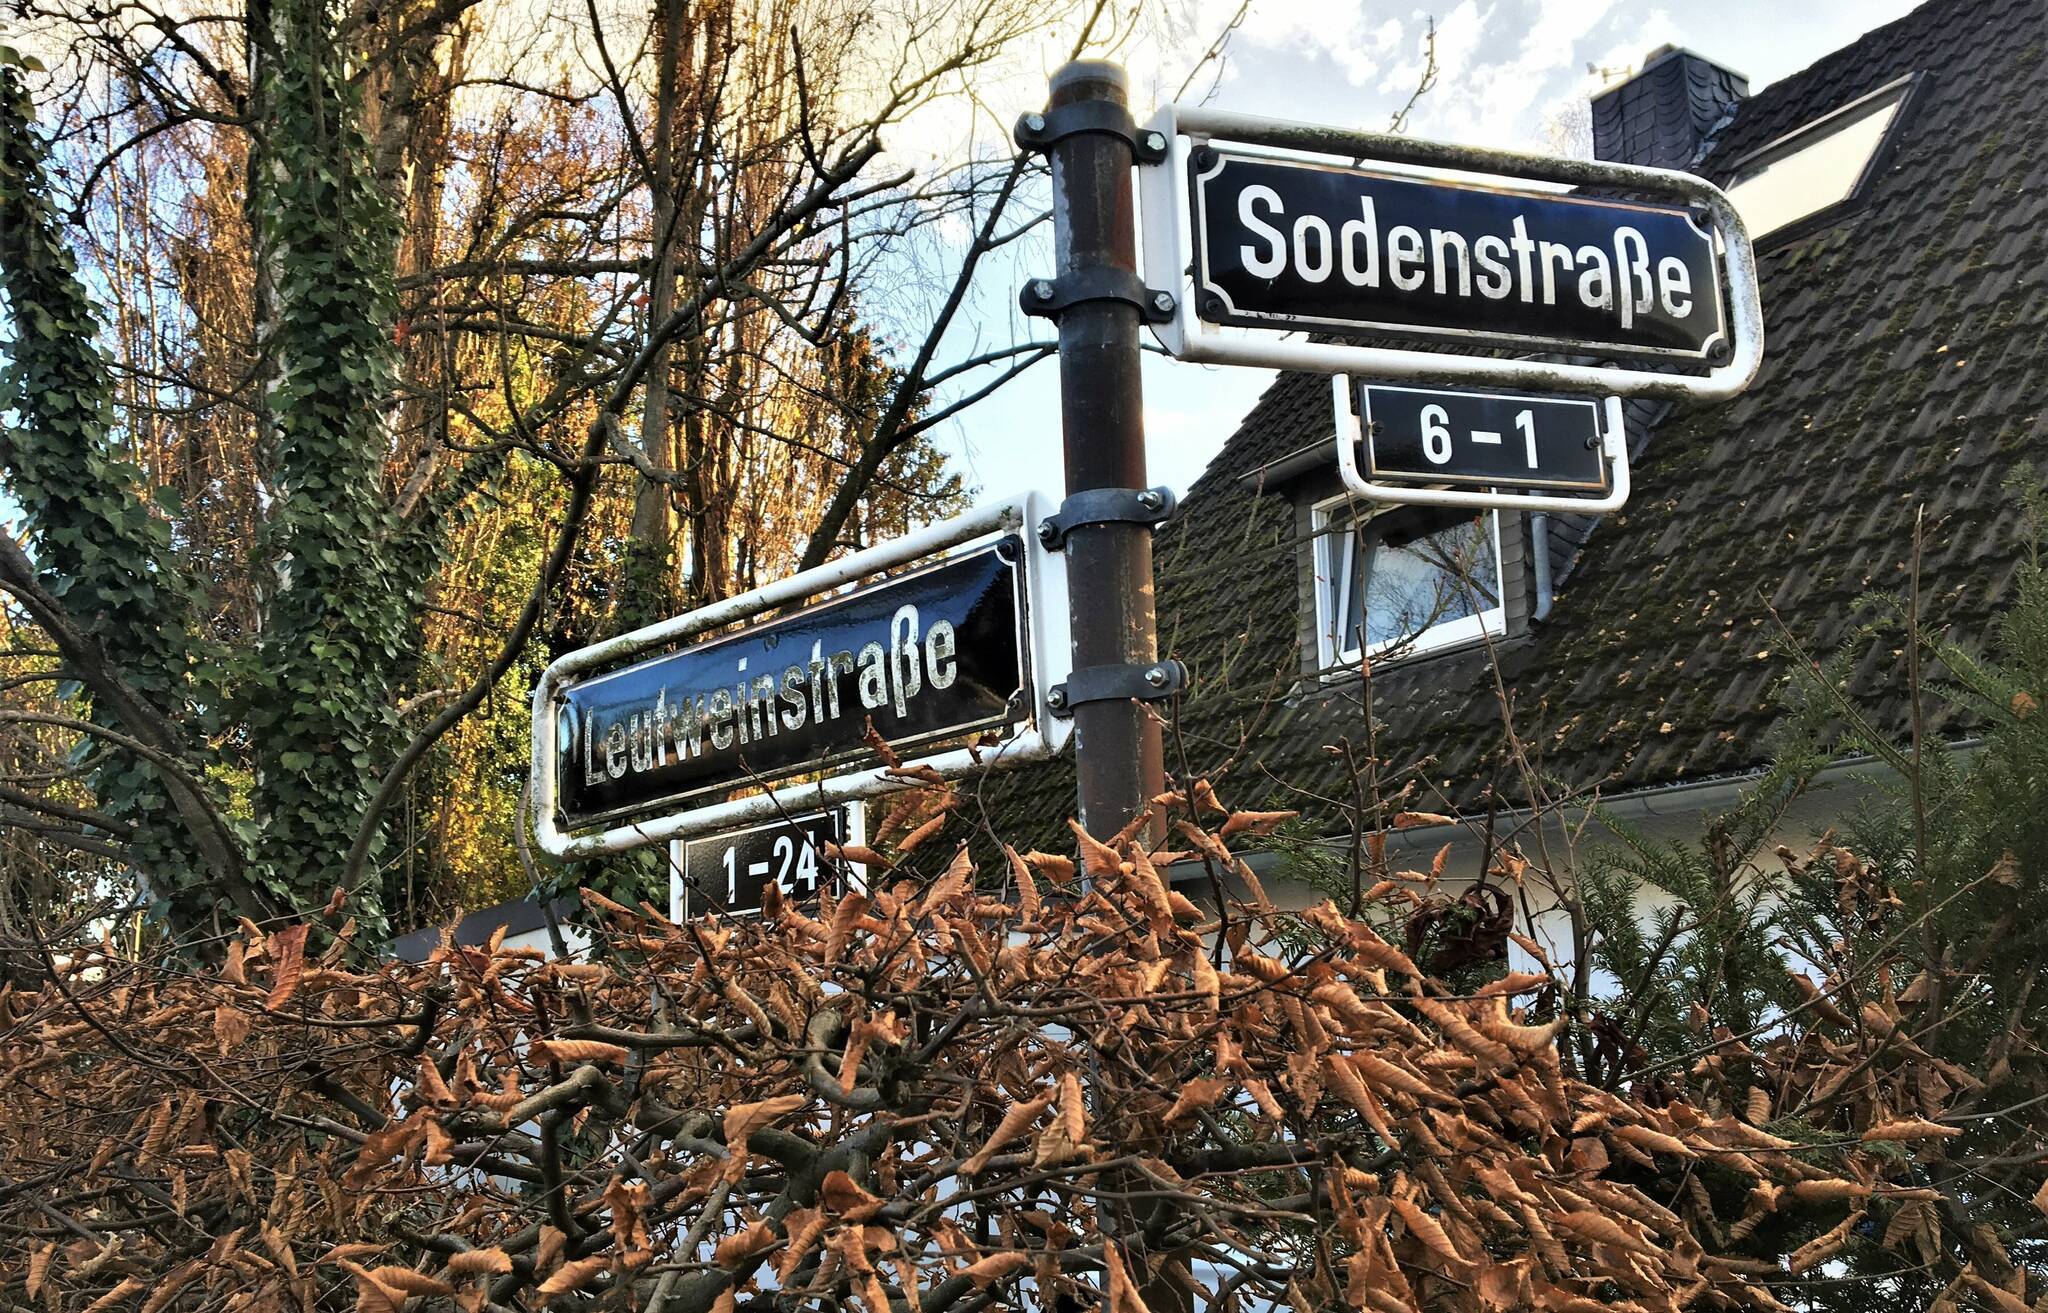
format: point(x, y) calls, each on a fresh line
point(1048, 532)
point(1035, 122)
point(1155, 141)
point(1042, 289)
point(1163, 302)
point(1156, 677)
point(1056, 698)
point(1151, 500)
point(1720, 351)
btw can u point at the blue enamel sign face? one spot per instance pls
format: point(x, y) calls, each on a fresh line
point(926, 656)
point(1282, 243)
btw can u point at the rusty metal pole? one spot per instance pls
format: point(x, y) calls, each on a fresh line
point(1118, 752)
point(1099, 300)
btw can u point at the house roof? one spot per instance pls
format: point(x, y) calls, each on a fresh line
point(1904, 368)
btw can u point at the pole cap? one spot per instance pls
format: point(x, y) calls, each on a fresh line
point(1075, 72)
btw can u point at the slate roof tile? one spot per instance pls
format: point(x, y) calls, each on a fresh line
point(1902, 368)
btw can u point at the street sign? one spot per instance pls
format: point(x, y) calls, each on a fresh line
point(1286, 243)
point(1450, 447)
point(1404, 260)
point(730, 873)
point(935, 654)
point(953, 664)
point(1493, 439)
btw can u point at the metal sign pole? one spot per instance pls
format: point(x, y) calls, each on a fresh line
point(1118, 752)
point(1105, 525)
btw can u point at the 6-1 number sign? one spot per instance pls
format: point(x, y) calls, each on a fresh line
point(730, 873)
point(1437, 436)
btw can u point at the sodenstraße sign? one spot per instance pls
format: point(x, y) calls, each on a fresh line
point(1281, 243)
point(925, 656)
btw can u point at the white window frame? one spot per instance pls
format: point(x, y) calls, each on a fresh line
point(1893, 99)
point(1336, 574)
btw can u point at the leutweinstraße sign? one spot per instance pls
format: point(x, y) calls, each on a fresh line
point(1292, 244)
point(926, 656)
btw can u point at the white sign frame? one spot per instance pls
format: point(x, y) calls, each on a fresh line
point(1169, 257)
point(1043, 736)
point(1351, 439)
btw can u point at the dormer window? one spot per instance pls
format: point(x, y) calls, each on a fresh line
point(1825, 164)
point(1404, 581)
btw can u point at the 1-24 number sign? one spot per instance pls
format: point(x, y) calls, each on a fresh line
point(730, 873)
point(1438, 436)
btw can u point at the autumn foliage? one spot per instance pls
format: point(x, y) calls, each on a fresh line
point(959, 1089)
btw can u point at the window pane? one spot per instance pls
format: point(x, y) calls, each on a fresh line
point(1813, 172)
point(1420, 568)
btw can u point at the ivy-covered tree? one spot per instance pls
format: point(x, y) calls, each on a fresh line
point(334, 387)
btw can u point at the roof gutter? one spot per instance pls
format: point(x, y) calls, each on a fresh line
point(1663, 802)
point(1274, 473)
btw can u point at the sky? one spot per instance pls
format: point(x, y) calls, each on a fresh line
point(1513, 73)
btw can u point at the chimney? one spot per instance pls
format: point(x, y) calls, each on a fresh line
point(1663, 115)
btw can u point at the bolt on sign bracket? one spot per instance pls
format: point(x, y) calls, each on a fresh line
point(1039, 131)
point(1149, 507)
point(1046, 298)
point(1150, 681)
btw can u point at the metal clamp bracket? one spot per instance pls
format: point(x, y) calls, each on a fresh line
point(1148, 682)
point(1148, 507)
point(1040, 132)
point(1048, 297)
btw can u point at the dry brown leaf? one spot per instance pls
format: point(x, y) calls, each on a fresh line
point(1825, 1246)
point(409, 1281)
point(126, 1287)
point(1417, 820)
point(742, 1245)
point(1015, 1122)
point(911, 842)
point(1909, 1128)
point(746, 1118)
point(288, 954)
point(476, 1262)
point(953, 884)
point(171, 1286)
point(1097, 858)
point(987, 1271)
point(1028, 902)
point(1427, 1230)
point(853, 852)
point(1599, 1229)
point(575, 1276)
point(1254, 822)
point(846, 918)
point(1201, 1092)
point(844, 1196)
point(577, 1051)
point(39, 1267)
point(230, 1028)
point(2003, 1300)
point(1052, 866)
point(1123, 1292)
